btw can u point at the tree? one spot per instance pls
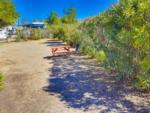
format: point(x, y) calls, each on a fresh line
point(70, 15)
point(8, 14)
point(53, 18)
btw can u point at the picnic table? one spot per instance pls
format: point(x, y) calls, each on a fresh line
point(60, 50)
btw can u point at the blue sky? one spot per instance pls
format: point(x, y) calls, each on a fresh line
point(40, 9)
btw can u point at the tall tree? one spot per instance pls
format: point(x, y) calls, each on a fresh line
point(54, 18)
point(70, 15)
point(8, 14)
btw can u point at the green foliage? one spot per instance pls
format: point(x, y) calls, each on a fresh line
point(8, 14)
point(127, 25)
point(36, 34)
point(65, 32)
point(102, 56)
point(1, 81)
point(66, 29)
point(31, 34)
point(21, 35)
point(120, 38)
point(54, 19)
point(143, 82)
point(18, 36)
point(70, 16)
point(74, 36)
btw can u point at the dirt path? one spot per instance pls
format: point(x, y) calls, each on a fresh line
point(37, 83)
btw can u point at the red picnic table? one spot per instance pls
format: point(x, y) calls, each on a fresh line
point(60, 50)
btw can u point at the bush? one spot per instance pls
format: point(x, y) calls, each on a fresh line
point(1, 81)
point(22, 35)
point(122, 33)
point(143, 80)
point(36, 34)
point(65, 32)
point(32, 34)
point(127, 27)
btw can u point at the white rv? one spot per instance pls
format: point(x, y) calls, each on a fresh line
point(7, 31)
point(4, 33)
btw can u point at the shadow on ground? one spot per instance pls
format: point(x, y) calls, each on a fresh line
point(53, 43)
point(81, 83)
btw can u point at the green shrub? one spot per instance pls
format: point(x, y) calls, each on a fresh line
point(102, 56)
point(122, 33)
point(143, 79)
point(21, 36)
point(143, 82)
point(65, 32)
point(1, 81)
point(32, 34)
point(127, 28)
point(35, 34)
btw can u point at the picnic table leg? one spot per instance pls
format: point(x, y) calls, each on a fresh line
point(67, 49)
point(54, 51)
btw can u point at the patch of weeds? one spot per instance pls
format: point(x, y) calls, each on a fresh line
point(1, 81)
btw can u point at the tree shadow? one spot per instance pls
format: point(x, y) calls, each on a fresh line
point(82, 84)
point(53, 43)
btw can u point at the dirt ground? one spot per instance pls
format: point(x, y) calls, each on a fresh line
point(35, 82)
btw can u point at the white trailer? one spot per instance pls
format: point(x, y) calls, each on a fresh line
point(4, 33)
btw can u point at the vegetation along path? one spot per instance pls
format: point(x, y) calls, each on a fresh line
point(38, 83)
